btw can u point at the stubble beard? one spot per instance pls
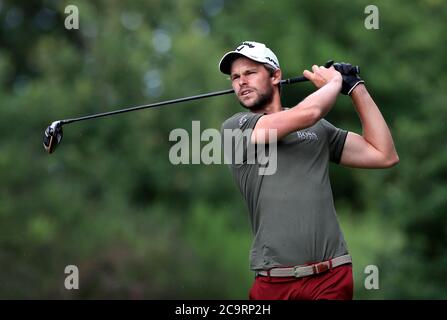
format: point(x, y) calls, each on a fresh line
point(261, 101)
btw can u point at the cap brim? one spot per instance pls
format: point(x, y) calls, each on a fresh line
point(227, 60)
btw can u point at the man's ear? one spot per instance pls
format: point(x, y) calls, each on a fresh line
point(277, 75)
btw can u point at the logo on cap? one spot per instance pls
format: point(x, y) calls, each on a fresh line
point(243, 44)
point(272, 61)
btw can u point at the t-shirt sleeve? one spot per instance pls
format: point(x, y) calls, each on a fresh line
point(336, 139)
point(242, 121)
point(236, 133)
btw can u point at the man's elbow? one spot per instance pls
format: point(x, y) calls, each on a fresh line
point(391, 161)
point(311, 115)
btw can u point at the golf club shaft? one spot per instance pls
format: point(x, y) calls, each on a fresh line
point(157, 104)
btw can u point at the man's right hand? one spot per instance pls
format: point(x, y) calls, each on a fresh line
point(320, 76)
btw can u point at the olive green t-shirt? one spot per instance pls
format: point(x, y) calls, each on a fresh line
point(291, 211)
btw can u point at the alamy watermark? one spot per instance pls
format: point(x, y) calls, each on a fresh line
point(235, 143)
point(72, 20)
point(372, 280)
point(72, 280)
point(372, 20)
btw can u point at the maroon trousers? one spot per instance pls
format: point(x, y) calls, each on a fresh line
point(334, 284)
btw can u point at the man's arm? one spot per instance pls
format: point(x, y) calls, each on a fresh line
point(375, 147)
point(307, 112)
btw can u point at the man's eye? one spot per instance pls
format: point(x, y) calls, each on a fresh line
point(234, 78)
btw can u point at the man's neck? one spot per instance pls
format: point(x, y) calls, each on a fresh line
point(272, 107)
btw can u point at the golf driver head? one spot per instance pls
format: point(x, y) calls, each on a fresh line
point(53, 136)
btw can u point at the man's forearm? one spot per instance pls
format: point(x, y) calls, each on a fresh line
point(375, 129)
point(323, 99)
point(304, 115)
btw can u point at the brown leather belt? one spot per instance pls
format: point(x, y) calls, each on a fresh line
point(308, 270)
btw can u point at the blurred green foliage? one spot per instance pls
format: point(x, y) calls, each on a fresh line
point(110, 202)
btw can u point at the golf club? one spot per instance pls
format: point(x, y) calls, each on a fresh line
point(53, 133)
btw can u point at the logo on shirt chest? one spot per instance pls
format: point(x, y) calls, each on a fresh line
point(242, 120)
point(306, 135)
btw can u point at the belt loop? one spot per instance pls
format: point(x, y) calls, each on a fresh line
point(330, 264)
point(268, 275)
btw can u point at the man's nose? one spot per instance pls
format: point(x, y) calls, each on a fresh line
point(242, 80)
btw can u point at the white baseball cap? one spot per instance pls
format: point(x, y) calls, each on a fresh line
point(253, 50)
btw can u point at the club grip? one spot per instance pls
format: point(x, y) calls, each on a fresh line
point(329, 63)
point(294, 80)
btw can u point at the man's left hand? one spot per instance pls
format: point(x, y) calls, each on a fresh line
point(350, 76)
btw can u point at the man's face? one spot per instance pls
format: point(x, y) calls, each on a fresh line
point(252, 83)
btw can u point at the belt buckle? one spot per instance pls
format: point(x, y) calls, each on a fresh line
point(321, 267)
point(295, 272)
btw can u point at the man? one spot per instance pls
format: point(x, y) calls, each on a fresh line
point(298, 250)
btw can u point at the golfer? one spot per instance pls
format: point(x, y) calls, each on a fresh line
point(298, 249)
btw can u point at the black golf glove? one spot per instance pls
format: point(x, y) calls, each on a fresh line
point(350, 76)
